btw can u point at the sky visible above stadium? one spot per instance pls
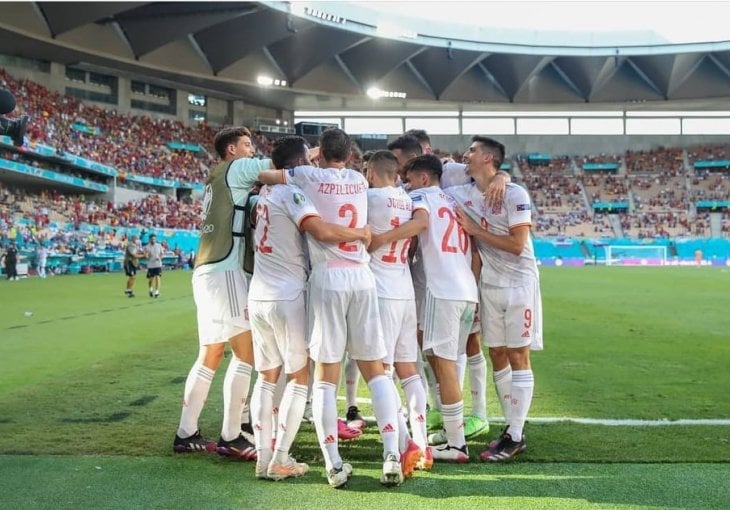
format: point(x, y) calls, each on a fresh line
point(564, 23)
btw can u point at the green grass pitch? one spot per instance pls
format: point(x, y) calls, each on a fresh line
point(91, 383)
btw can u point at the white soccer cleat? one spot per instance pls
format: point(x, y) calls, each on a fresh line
point(290, 469)
point(437, 438)
point(339, 477)
point(392, 472)
point(448, 453)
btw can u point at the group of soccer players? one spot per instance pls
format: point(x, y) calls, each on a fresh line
point(384, 268)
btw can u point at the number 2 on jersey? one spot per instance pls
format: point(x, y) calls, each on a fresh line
point(344, 209)
point(463, 237)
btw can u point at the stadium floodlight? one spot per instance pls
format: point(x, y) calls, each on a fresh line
point(377, 93)
point(265, 81)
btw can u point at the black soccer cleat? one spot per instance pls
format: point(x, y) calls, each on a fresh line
point(194, 443)
point(239, 448)
point(504, 449)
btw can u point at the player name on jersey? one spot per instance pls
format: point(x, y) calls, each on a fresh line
point(399, 203)
point(328, 188)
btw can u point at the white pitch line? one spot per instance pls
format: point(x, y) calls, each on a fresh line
point(597, 421)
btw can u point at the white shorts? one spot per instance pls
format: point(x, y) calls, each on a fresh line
point(398, 319)
point(446, 327)
point(279, 331)
point(343, 314)
point(512, 316)
point(222, 305)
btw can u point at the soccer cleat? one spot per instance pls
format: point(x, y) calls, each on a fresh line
point(262, 468)
point(392, 472)
point(473, 426)
point(239, 448)
point(410, 458)
point(337, 477)
point(151, 293)
point(449, 453)
point(434, 421)
point(194, 443)
point(354, 419)
point(426, 462)
point(437, 437)
point(505, 449)
point(247, 432)
point(157, 294)
point(290, 469)
point(345, 433)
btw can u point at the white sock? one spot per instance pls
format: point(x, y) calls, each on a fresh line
point(454, 423)
point(278, 394)
point(352, 378)
point(291, 411)
point(386, 411)
point(235, 389)
point(324, 414)
point(403, 436)
point(421, 368)
point(197, 386)
point(262, 403)
point(461, 369)
point(503, 385)
point(416, 397)
point(478, 382)
point(523, 384)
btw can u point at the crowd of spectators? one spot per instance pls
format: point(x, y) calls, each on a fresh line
point(130, 143)
point(663, 160)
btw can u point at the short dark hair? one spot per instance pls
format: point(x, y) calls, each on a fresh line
point(383, 163)
point(335, 145)
point(492, 146)
point(427, 163)
point(289, 151)
point(367, 155)
point(420, 135)
point(408, 144)
point(228, 136)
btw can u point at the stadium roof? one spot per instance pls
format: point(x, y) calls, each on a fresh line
point(326, 60)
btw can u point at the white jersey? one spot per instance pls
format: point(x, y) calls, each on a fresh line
point(241, 175)
point(445, 248)
point(388, 208)
point(279, 250)
point(340, 196)
point(501, 268)
point(454, 174)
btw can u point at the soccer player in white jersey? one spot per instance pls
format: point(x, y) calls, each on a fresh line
point(389, 207)
point(509, 287)
point(220, 296)
point(277, 311)
point(451, 295)
point(343, 306)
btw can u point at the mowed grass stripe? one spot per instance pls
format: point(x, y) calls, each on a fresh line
point(47, 482)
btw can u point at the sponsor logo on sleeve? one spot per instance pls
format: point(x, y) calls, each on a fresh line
point(299, 199)
point(291, 172)
point(416, 198)
point(523, 207)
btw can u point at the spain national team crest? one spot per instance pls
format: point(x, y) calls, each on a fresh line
point(299, 199)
